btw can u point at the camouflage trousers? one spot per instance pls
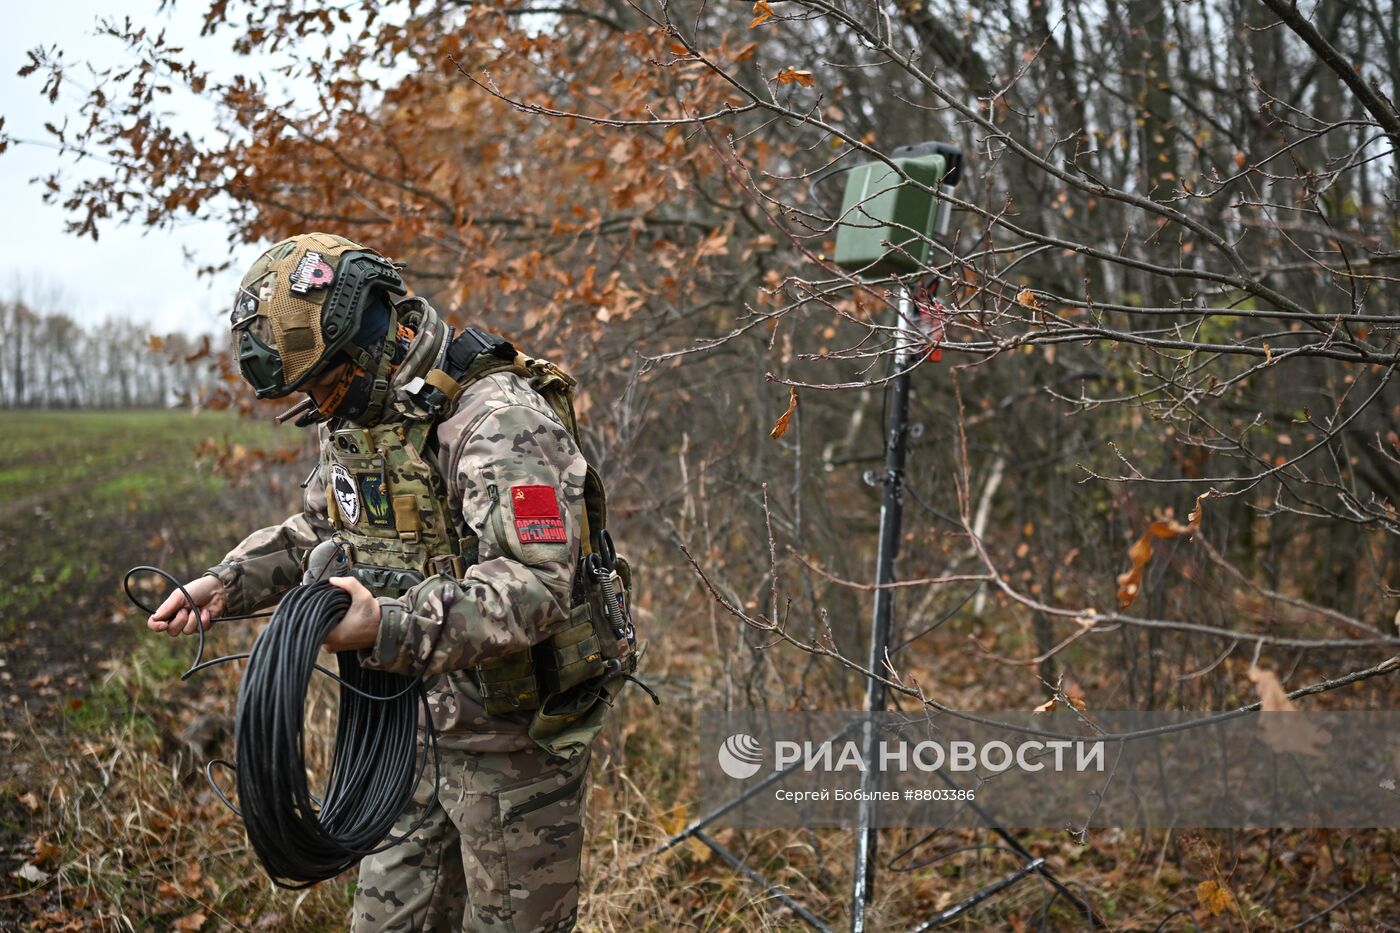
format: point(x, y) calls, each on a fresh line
point(498, 850)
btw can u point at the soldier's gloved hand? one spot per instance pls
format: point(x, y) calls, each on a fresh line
point(174, 617)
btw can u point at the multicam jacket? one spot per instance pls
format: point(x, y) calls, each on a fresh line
point(501, 434)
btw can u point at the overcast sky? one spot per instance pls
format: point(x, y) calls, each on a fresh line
point(130, 272)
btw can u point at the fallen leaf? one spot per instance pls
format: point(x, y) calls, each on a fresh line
point(44, 850)
point(1130, 581)
point(699, 852)
point(781, 426)
point(31, 873)
point(191, 923)
point(29, 800)
point(1214, 897)
point(674, 819)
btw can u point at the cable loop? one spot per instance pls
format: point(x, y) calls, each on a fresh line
point(377, 762)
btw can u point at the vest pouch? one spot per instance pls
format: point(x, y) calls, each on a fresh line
point(569, 657)
point(568, 722)
point(509, 685)
point(606, 596)
point(386, 581)
point(624, 570)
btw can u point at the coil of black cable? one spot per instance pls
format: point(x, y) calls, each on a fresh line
point(376, 763)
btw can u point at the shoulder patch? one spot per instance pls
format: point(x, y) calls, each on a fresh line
point(537, 517)
point(347, 497)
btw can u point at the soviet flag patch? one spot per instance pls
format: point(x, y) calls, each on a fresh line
point(537, 518)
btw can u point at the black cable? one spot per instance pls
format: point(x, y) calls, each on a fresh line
point(199, 662)
point(376, 764)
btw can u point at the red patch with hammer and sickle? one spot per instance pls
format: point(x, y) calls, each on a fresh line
point(537, 518)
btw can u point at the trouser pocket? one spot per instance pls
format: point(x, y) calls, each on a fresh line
point(541, 826)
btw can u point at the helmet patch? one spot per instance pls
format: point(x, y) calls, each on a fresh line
point(312, 271)
point(244, 308)
point(347, 498)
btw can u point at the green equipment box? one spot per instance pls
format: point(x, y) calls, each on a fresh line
point(886, 224)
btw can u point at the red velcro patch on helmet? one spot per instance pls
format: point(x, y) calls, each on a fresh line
point(537, 518)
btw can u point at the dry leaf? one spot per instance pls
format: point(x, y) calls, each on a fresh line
point(1292, 735)
point(191, 923)
point(45, 851)
point(31, 873)
point(29, 800)
point(762, 12)
point(1130, 582)
point(1047, 707)
point(791, 75)
point(1214, 897)
point(780, 428)
point(1272, 697)
point(1027, 297)
point(673, 820)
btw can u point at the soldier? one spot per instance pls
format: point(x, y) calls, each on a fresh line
point(457, 493)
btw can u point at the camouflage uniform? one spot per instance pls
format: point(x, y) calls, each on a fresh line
point(499, 850)
point(500, 847)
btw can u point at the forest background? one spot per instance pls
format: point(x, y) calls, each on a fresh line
point(1167, 325)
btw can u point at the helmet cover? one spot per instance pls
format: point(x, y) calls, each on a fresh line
point(301, 302)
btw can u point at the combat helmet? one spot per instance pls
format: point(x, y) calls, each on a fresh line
point(300, 308)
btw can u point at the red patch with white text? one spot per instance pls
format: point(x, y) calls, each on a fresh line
point(537, 518)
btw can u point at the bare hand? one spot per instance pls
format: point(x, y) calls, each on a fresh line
point(360, 627)
point(174, 616)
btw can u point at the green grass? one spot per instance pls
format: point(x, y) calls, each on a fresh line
point(46, 451)
point(85, 495)
point(112, 489)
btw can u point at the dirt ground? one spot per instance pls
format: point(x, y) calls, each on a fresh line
point(107, 822)
point(83, 497)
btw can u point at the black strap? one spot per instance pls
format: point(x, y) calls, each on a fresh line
point(470, 344)
point(462, 351)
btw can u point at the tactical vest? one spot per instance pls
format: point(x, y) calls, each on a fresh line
point(401, 532)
